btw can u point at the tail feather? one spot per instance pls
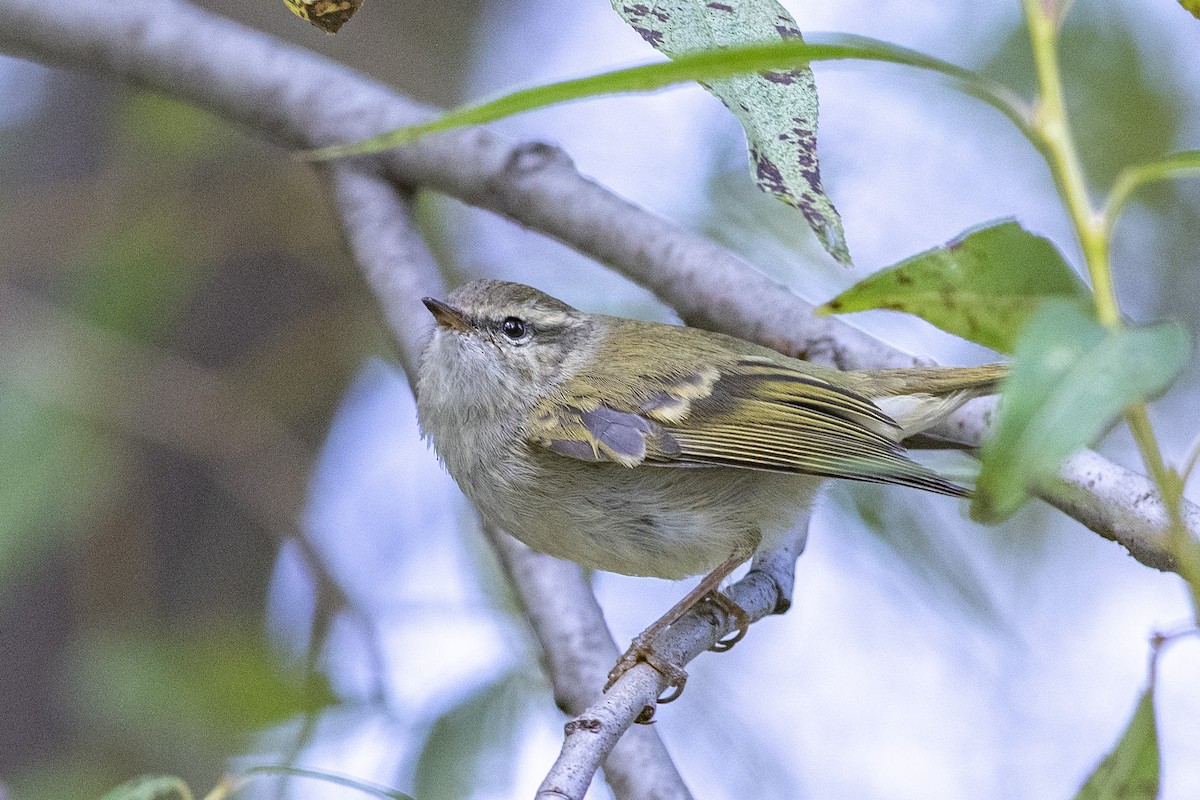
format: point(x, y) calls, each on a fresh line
point(931, 380)
point(919, 398)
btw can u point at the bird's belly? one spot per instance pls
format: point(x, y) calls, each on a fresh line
point(662, 522)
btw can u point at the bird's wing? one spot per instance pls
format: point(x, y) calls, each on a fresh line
point(800, 423)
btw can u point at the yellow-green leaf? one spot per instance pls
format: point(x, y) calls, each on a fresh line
point(150, 787)
point(328, 15)
point(1185, 163)
point(1130, 771)
point(704, 66)
point(983, 286)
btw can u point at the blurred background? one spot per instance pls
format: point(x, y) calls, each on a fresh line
point(223, 543)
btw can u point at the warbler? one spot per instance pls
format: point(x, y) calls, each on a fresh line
point(658, 450)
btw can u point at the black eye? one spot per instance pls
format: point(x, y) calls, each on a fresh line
point(514, 328)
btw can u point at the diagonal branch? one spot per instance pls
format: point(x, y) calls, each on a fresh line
point(299, 99)
point(604, 726)
point(578, 651)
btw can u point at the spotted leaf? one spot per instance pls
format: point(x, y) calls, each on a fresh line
point(777, 109)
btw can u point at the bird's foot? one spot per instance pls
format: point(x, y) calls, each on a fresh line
point(735, 613)
point(641, 650)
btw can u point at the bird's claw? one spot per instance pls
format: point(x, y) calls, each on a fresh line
point(642, 651)
point(736, 613)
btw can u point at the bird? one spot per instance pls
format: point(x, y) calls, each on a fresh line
point(660, 450)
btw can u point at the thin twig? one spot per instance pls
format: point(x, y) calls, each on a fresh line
point(601, 727)
point(577, 652)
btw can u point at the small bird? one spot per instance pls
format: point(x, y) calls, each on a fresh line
point(658, 450)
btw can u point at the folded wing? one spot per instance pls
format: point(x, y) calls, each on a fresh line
point(754, 413)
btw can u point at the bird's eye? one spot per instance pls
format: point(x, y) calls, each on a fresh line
point(514, 328)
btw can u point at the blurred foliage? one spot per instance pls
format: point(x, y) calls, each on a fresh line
point(102, 519)
point(474, 742)
point(906, 524)
point(155, 127)
point(138, 275)
point(167, 787)
point(184, 698)
point(1130, 771)
point(43, 451)
point(151, 787)
point(1121, 113)
point(169, 690)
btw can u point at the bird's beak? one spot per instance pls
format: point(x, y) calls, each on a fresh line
point(446, 315)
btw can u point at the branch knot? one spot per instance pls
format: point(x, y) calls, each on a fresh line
point(585, 724)
point(530, 157)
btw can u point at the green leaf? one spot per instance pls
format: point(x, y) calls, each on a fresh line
point(472, 744)
point(704, 66)
point(150, 787)
point(1192, 6)
point(43, 449)
point(1130, 771)
point(1071, 377)
point(983, 286)
point(778, 110)
point(206, 684)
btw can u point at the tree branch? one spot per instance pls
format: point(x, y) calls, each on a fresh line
point(377, 221)
point(299, 99)
point(580, 656)
point(577, 652)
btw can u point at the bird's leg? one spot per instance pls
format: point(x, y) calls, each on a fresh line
point(642, 647)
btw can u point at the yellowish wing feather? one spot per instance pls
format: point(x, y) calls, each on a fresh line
point(754, 413)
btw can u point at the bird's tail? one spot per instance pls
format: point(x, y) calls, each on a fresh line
point(920, 397)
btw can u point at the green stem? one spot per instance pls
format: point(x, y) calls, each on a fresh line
point(1170, 482)
point(1051, 122)
point(1093, 229)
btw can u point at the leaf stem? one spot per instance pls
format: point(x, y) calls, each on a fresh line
point(1177, 165)
point(1094, 228)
